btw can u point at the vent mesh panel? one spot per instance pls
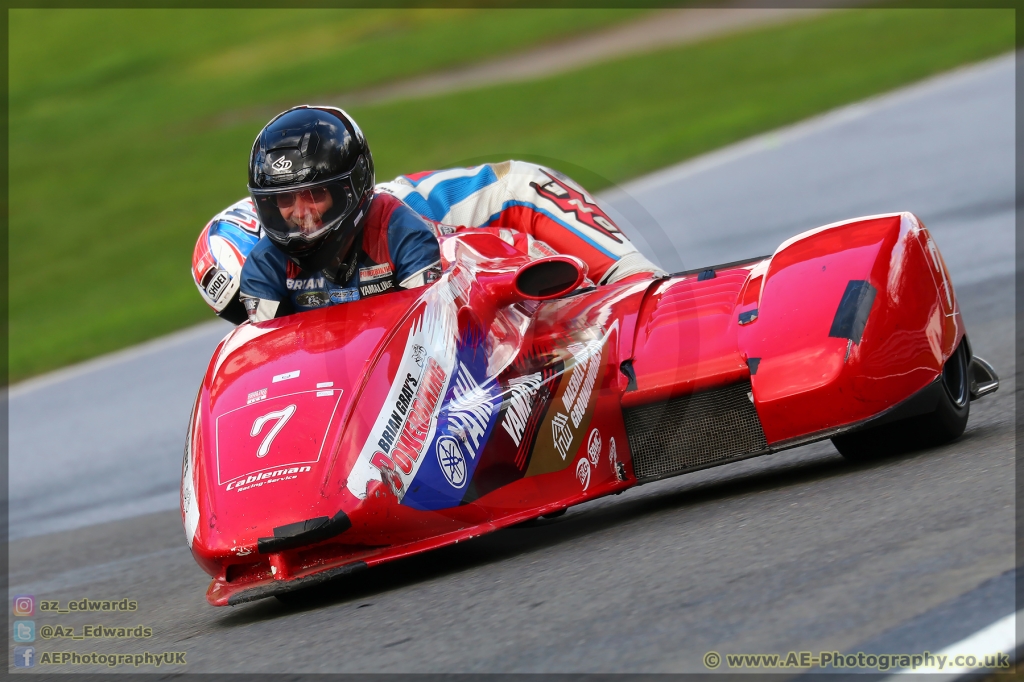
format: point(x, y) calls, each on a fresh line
point(693, 431)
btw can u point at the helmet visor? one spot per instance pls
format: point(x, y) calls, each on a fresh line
point(296, 215)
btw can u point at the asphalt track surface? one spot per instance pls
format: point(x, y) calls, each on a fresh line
point(798, 551)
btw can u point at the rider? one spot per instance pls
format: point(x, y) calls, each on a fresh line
point(328, 238)
point(311, 177)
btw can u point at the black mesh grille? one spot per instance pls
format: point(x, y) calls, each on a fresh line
point(693, 431)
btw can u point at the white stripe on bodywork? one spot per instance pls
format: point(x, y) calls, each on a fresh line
point(189, 505)
point(435, 331)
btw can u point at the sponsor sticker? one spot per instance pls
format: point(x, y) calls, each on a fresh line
point(216, 285)
point(321, 394)
point(581, 383)
point(325, 384)
point(419, 353)
point(375, 272)
point(452, 461)
point(280, 164)
point(374, 288)
point(521, 391)
point(562, 434)
point(256, 396)
point(470, 411)
point(594, 447)
point(286, 376)
point(307, 284)
point(344, 295)
point(401, 443)
point(312, 299)
point(568, 418)
point(432, 275)
point(267, 477)
point(576, 397)
point(583, 472)
point(398, 413)
point(578, 204)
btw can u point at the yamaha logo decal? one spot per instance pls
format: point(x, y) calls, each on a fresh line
point(452, 461)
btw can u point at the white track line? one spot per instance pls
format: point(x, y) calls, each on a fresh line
point(998, 638)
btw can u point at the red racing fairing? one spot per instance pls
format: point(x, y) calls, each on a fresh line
point(329, 441)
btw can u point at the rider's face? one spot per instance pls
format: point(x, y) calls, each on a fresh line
point(305, 209)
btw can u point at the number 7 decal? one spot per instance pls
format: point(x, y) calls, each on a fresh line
point(282, 417)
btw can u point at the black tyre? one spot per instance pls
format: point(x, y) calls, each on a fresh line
point(301, 597)
point(293, 598)
point(944, 424)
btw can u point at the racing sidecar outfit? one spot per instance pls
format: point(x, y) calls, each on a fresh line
point(528, 198)
point(398, 249)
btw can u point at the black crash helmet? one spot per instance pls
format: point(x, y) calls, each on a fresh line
point(311, 179)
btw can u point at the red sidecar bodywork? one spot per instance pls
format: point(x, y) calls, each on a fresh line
point(329, 441)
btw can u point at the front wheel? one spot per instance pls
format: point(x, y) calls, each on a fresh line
point(942, 425)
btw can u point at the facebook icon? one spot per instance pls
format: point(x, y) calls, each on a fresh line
point(24, 656)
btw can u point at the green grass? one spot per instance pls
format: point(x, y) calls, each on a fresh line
point(118, 156)
point(631, 116)
point(119, 153)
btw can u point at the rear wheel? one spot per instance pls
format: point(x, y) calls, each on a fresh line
point(944, 424)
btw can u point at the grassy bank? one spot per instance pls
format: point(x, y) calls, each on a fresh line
point(632, 116)
point(119, 153)
point(117, 159)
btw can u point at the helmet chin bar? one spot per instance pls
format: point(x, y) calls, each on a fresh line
point(332, 254)
point(343, 265)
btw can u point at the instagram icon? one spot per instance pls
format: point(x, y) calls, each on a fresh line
point(24, 605)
